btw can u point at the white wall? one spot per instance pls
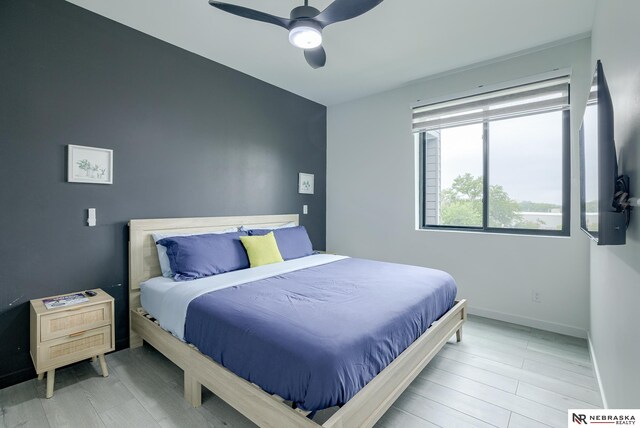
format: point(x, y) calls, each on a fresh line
point(615, 271)
point(371, 201)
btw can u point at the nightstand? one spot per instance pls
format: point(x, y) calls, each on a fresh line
point(66, 335)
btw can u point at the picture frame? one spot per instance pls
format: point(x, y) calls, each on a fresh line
point(89, 165)
point(305, 183)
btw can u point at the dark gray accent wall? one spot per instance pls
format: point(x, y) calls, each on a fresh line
point(190, 138)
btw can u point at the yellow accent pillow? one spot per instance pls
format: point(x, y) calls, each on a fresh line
point(262, 250)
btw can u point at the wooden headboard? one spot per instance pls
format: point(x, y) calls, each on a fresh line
point(143, 256)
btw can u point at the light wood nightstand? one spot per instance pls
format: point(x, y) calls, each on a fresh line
point(70, 334)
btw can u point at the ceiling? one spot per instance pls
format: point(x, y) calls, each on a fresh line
point(397, 42)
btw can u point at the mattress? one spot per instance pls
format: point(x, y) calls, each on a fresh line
point(152, 293)
point(316, 335)
point(167, 300)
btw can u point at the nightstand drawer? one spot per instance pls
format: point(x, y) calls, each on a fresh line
point(74, 320)
point(74, 347)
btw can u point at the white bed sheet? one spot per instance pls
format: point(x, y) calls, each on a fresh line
point(152, 292)
point(167, 300)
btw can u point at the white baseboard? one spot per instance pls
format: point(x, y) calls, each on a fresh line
point(595, 368)
point(529, 322)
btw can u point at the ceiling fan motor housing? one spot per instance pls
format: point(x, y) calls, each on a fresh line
point(304, 31)
point(304, 12)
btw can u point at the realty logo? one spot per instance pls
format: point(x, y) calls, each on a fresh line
point(579, 417)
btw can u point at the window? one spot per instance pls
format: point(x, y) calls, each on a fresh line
point(497, 162)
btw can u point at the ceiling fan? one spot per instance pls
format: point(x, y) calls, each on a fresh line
point(306, 23)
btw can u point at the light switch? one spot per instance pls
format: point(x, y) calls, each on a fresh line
point(305, 209)
point(91, 217)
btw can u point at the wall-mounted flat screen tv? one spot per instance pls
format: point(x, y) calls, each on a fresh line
point(601, 217)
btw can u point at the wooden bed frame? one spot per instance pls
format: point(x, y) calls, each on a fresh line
point(266, 410)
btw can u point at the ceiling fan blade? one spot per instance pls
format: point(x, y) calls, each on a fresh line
point(316, 57)
point(256, 15)
point(341, 10)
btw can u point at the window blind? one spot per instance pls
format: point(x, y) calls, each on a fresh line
point(540, 97)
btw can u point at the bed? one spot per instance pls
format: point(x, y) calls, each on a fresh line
point(269, 341)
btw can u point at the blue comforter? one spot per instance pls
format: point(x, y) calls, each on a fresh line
point(317, 336)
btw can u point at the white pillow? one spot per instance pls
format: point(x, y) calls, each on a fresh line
point(165, 265)
point(290, 224)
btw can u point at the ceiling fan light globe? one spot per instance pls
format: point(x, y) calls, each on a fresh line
point(305, 37)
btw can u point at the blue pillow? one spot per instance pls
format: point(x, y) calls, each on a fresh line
point(293, 242)
point(197, 256)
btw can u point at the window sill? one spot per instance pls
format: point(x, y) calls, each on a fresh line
point(492, 232)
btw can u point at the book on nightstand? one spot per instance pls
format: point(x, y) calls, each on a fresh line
point(62, 301)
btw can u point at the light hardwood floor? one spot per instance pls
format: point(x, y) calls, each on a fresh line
point(501, 375)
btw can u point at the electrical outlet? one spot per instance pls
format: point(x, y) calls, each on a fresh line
point(536, 296)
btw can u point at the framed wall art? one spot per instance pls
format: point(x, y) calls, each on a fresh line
point(305, 183)
point(89, 165)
